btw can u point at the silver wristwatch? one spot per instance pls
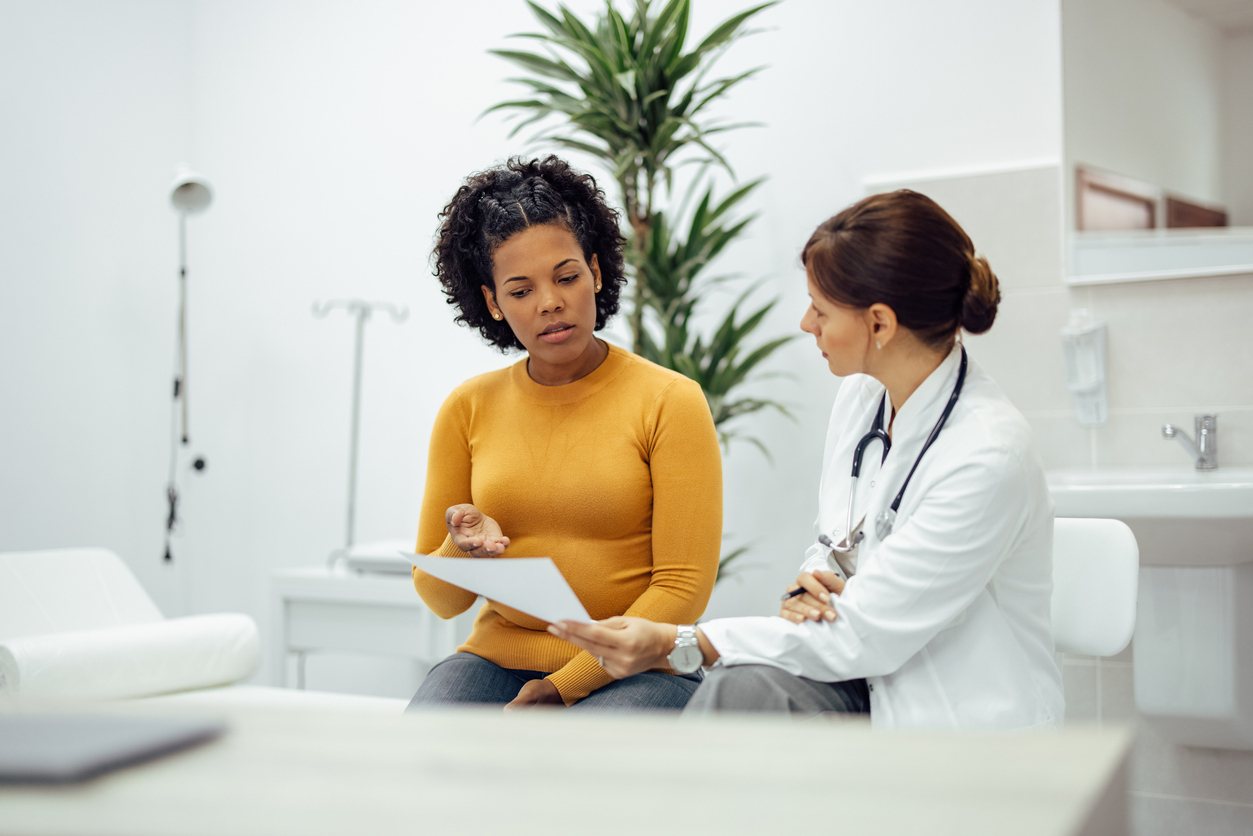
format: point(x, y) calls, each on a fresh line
point(686, 656)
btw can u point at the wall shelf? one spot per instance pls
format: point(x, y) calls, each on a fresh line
point(1149, 255)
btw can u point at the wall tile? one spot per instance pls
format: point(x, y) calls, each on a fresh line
point(1175, 348)
point(1013, 217)
point(1178, 343)
point(1117, 694)
point(1023, 351)
point(1154, 816)
point(1059, 440)
point(1159, 766)
point(1079, 684)
point(1135, 438)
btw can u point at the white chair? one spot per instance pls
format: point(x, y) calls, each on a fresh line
point(90, 595)
point(1096, 569)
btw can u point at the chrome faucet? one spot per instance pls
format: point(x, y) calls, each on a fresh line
point(1204, 451)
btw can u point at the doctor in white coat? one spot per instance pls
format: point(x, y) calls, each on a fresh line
point(933, 613)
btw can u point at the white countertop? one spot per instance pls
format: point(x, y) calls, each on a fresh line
point(319, 583)
point(482, 772)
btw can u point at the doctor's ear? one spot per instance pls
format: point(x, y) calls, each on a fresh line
point(881, 322)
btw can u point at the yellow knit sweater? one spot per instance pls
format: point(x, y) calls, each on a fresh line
point(617, 477)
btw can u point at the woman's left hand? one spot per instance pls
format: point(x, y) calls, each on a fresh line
point(625, 645)
point(536, 692)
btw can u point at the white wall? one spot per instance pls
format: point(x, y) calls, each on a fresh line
point(858, 91)
point(1143, 92)
point(1238, 125)
point(333, 133)
point(96, 115)
point(1160, 370)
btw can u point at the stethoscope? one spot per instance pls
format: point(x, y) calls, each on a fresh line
point(884, 522)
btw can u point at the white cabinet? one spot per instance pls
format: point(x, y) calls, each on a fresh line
point(340, 610)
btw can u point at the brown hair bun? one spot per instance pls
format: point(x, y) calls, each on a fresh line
point(902, 250)
point(982, 297)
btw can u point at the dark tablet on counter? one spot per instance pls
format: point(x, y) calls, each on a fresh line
point(62, 748)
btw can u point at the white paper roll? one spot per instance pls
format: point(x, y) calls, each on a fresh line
point(138, 660)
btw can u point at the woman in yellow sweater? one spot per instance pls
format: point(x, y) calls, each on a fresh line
point(581, 451)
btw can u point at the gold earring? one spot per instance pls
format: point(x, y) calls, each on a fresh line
point(598, 287)
point(496, 316)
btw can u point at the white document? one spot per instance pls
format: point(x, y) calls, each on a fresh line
point(533, 585)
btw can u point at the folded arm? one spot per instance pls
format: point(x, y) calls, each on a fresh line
point(918, 581)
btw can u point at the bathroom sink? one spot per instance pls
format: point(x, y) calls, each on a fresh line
point(1180, 516)
point(1153, 491)
point(1192, 651)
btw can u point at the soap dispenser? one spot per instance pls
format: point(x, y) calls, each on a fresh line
point(1083, 340)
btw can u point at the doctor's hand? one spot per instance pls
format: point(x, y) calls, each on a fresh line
point(624, 645)
point(475, 533)
point(814, 603)
point(537, 692)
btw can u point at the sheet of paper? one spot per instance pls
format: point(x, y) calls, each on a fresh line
point(533, 585)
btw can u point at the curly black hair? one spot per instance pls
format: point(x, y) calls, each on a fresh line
point(493, 205)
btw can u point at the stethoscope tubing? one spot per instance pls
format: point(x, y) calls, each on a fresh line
point(877, 434)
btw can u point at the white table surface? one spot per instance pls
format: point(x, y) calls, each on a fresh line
point(309, 773)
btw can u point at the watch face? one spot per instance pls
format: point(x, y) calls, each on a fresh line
point(686, 659)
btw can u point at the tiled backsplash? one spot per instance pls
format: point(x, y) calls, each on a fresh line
point(1176, 348)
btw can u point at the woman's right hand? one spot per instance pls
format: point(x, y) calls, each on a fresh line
point(475, 533)
point(814, 603)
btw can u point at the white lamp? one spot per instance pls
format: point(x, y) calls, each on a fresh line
point(190, 194)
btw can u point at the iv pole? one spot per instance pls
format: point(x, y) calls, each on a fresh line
point(362, 310)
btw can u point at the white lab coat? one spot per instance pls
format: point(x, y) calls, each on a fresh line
point(947, 618)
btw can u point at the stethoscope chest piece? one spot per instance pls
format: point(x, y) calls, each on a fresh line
point(883, 523)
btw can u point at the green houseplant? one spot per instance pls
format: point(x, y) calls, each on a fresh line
point(628, 91)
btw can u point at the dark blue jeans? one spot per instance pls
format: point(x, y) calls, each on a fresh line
point(466, 679)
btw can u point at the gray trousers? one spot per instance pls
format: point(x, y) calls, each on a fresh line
point(763, 688)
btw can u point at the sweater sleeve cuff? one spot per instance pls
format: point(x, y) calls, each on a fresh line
point(579, 677)
point(447, 549)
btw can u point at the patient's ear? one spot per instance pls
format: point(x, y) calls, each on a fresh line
point(492, 308)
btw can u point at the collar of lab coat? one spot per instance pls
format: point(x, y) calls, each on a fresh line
point(915, 420)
